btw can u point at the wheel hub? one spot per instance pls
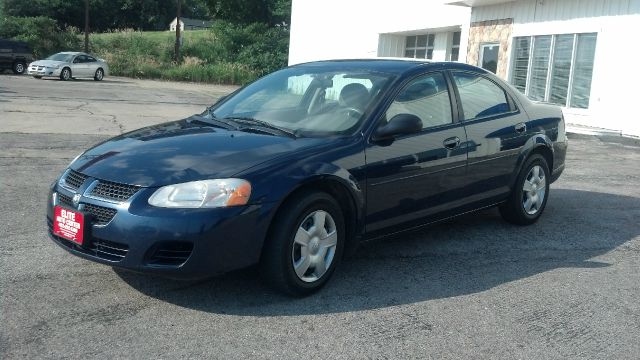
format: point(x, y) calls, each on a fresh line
point(314, 245)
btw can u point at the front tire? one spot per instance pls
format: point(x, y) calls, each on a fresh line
point(99, 75)
point(304, 245)
point(65, 74)
point(19, 68)
point(529, 196)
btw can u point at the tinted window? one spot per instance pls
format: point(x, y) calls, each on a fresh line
point(90, 59)
point(480, 97)
point(427, 97)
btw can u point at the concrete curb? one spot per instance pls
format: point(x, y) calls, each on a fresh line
point(588, 130)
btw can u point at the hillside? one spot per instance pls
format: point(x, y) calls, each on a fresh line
point(150, 55)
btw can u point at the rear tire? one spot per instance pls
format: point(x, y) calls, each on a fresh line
point(304, 245)
point(99, 75)
point(65, 74)
point(19, 68)
point(529, 196)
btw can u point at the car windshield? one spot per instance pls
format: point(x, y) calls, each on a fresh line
point(306, 101)
point(61, 57)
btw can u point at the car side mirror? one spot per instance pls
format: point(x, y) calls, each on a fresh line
point(401, 124)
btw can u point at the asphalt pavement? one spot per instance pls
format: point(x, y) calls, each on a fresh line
point(473, 287)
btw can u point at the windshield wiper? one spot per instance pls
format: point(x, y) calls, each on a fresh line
point(212, 120)
point(261, 123)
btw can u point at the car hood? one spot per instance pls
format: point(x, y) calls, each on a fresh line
point(49, 63)
point(182, 151)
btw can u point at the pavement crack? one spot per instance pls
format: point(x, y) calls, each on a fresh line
point(114, 120)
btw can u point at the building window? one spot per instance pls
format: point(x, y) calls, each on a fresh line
point(489, 57)
point(555, 68)
point(455, 47)
point(419, 46)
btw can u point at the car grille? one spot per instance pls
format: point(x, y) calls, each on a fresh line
point(74, 179)
point(173, 253)
point(101, 215)
point(65, 200)
point(38, 68)
point(114, 191)
point(104, 249)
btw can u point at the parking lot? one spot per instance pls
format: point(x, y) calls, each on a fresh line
point(473, 287)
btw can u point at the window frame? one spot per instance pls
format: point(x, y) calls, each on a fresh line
point(481, 54)
point(415, 46)
point(550, 67)
point(454, 45)
point(513, 107)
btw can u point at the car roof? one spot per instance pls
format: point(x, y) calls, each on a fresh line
point(393, 65)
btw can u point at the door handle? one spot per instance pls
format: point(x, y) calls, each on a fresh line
point(521, 127)
point(451, 143)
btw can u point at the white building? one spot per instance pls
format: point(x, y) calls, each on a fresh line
point(579, 54)
point(190, 24)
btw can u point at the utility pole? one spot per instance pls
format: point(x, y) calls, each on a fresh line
point(86, 26)
point(178, 31)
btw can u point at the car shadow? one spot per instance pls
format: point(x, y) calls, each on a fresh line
point(466, 255)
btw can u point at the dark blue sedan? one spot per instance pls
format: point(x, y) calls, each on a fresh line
point(294, 170)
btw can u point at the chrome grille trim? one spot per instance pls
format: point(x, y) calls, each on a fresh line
point(72, 180)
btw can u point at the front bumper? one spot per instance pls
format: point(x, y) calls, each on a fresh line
point(177, 243)
point(43, 71)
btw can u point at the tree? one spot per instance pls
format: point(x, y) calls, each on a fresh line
point(272, 12)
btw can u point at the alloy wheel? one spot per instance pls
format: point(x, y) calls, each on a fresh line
point(314, 246)
point(534, 190)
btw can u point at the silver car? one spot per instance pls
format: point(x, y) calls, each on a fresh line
point(67, 65)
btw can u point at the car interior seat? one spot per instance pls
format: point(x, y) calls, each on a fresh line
point(355, 96)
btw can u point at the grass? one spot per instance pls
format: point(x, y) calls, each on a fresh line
point(150, 55)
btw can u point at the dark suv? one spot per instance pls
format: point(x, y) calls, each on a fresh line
point(15, 55)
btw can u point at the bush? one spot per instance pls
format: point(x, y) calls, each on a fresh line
point(260, 47)
point(41, 33)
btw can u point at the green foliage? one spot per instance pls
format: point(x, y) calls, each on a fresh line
point(108, 14)
point(249, 39)
point(272, 12)
point(260, 47)
point(43, 34)
point(150, 55)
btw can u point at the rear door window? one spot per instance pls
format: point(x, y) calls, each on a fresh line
point(480, 97)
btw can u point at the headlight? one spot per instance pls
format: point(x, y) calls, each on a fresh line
point(203, 194)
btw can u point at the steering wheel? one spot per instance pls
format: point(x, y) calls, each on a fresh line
point(352, 112)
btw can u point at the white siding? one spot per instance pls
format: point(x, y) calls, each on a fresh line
point(553, 10)
point(390, 45)
point(331, 29)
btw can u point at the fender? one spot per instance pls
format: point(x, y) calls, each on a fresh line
point(534, 142)
point(340, 164)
